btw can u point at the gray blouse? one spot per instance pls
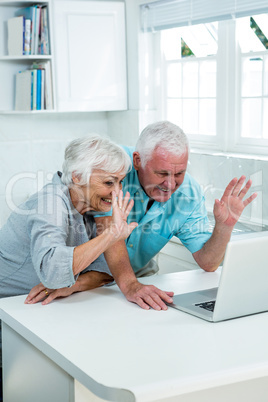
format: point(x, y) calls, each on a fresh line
point(38, 240)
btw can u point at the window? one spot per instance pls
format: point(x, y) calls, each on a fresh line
point(190, 72)
point(214, 74)
point(254, 76)
point(215, 83)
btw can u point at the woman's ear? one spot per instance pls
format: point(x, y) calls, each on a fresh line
point(75, 178)
point(136, 160)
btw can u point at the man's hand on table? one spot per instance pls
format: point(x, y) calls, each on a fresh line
point(147, 296)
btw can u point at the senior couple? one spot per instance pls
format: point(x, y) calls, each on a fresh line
point(49, 247)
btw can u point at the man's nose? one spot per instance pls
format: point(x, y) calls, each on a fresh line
point(170, 182)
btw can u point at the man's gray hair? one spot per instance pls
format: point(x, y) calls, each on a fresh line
point(161, 134)
point(83, 155)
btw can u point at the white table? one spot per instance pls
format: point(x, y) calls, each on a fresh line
point(95, 345)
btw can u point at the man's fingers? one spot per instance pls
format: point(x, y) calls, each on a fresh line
point(141, 303)
point(149, 295)
point(245, 189)
point(229, 189)
point(159, 302)
point(238, 186)
point(167, 296)
point(149, 299)
point(250, 199)
point(170, 294)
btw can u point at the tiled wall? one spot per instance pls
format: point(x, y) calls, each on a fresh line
point(32, 147)
point(214, 172)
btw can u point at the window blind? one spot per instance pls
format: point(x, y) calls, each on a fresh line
point(164, 14)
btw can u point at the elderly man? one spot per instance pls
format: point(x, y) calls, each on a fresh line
point(168, 202)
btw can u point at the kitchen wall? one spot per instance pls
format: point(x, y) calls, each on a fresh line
point(32, 149)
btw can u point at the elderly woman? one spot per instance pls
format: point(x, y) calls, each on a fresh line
point(51, 237)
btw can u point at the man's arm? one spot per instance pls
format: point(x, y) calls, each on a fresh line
point(145, 296)
point(227, 211)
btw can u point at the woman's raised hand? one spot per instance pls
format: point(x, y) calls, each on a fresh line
point(121, 209)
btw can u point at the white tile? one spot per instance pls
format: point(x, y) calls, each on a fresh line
point(15, 166)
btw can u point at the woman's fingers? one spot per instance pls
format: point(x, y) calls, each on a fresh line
point(120, 214)
point(120, 199)
point(121, 202)
point(51, 297)
point(34, 292)
point(125, 201)
point(129, 207)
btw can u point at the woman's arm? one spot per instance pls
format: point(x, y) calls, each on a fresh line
point(57, 264)
point(87, 281)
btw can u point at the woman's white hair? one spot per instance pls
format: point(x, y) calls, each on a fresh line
point(161, 134)
point(83, 155)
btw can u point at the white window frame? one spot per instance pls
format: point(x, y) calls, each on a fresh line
point(228, 105)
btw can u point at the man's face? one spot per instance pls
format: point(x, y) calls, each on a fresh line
point(163, 173)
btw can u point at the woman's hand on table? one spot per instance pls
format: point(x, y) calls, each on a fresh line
point(40, 293)
point(87, 281)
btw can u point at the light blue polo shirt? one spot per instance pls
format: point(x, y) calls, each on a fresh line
point(184, 215)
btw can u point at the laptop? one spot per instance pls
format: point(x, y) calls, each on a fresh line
point(243, 286)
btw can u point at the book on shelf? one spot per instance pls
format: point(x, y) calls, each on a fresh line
point(39, 33)
point(34, 91)
point(15, 31)
point(48, 90)
point(24, 90)
point(29, 14)
point(44, 39)
point(37, 29)
point(34, 88)
point(42, 89)
point(38, 89)
point(27, 37)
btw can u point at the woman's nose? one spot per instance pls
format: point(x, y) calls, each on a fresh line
point(117, 188)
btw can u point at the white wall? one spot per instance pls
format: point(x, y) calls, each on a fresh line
point(32, 146)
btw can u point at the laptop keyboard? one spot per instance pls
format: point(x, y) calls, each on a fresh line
point(209, 305)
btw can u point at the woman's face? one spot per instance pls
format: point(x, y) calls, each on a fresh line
point(97, 196)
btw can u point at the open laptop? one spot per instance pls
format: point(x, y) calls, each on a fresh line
point(243, 287)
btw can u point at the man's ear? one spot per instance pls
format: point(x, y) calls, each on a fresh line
point(136, 160)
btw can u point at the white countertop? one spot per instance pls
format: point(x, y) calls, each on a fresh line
point(122, 352)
